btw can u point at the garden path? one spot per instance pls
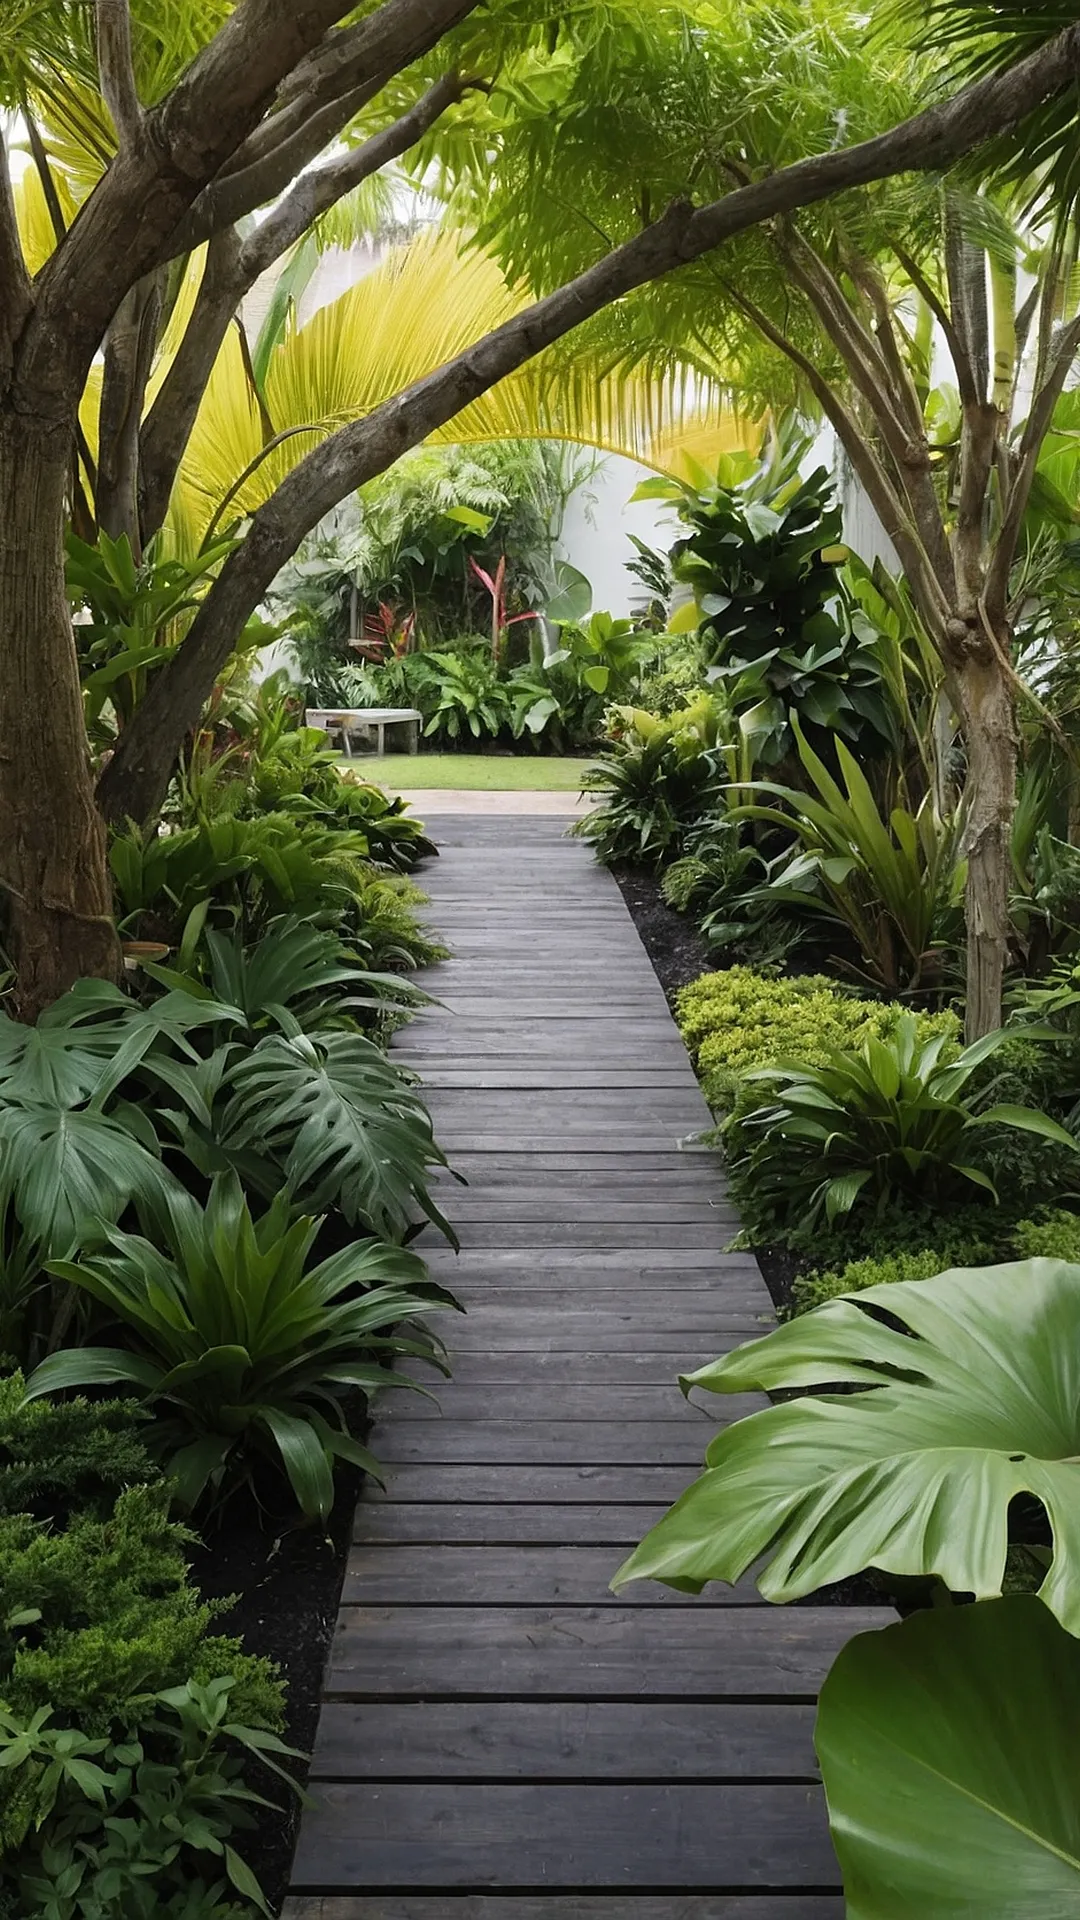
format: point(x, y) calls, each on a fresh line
point(501, 1738)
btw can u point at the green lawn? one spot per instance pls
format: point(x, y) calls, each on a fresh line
point(488, 772)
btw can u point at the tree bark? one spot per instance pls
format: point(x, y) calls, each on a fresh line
point(986, 701)
point(54, 884)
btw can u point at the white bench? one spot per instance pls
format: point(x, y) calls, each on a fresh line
point(346, 721)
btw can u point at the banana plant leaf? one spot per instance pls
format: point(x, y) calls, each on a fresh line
point(952, 1768)
point(975, 1402)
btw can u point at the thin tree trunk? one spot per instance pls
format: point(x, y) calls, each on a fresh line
point(55, 898)
point(989, 724)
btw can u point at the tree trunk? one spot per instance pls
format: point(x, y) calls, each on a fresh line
point(54, 883)
point(989, 723)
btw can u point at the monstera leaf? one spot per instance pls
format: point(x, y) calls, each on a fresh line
point(343, 1123)
point(973, 1399)
point(952, 1768)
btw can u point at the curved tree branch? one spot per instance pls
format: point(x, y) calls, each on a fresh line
point(136, 777)
point(116, 70)
point(187, 139)
point(15, 288)
point(232, 268)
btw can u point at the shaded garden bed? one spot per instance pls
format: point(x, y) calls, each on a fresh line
point(287, 1584)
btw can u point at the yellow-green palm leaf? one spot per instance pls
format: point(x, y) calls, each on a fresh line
point(421, 307)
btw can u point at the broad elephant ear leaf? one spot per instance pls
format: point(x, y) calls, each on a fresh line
point(975, 1401)
point(951, 1765)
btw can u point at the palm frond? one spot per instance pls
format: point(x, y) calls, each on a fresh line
point(422, 306)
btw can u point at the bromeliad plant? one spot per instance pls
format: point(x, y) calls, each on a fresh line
point(241, 1347)
point(891, 1122)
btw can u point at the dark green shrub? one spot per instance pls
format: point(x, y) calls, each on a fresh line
point(102, 1613)
point(1055, 1237)
point(762, 559)
point(658, 780)
point(62, 1457)
point(813, 1289)
point(107, 1828)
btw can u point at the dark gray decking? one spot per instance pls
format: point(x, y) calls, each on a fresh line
point(502, 1739)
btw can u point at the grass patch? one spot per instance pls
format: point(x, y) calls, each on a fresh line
point(469, 772)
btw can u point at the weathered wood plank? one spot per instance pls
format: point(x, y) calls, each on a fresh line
point(600, 1206)
point(691, 1163)
point(575, 1740)
point(594, 1486)
point(607, 1333)
point(711, 1234)
point(509, 1524)
point(458, 1400)
point(575, 1906)
point(508, 1365)
point(513, 1308)
point(523, 1080)
point(537, 1576)
point(590, 1652)
point(570, 1836)
point(540, 1442)
point(590, 1260)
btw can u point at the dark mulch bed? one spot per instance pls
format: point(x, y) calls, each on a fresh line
point(288, 1583)
point(672, 942)
point(780, 1268)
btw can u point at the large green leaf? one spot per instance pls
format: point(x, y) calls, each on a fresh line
point(68, 1168)
point(976, 1402)
point(952, 1767)
point(347, 1126)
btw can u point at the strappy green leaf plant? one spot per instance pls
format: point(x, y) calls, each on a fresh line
point(877, 1126)
point(240, 1346)
point(298, 977)
point(894, 883)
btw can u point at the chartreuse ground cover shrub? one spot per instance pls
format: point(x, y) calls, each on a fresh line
point(969, 1243)
point(740, 1020)
point(948, 1459)
point(129, 1729)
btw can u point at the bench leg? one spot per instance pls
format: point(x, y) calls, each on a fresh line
point(380, 733)
point(414, 735)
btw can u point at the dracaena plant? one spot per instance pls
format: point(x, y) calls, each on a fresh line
point(895, 881)
point(240, 1346)
point(896, 1120)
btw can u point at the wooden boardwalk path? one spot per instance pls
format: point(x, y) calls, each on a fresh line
point(502, 1739)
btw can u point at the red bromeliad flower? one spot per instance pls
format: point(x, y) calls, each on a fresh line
point(496, 587)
